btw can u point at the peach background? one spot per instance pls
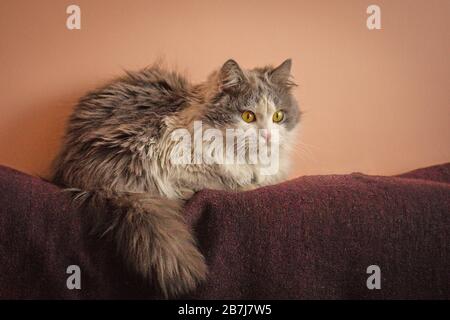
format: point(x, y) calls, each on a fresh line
point(375, 101)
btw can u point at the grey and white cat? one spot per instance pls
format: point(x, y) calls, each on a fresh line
point(116, 151)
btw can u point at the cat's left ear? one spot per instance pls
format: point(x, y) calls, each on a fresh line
point(282, 74)
point(231, 75)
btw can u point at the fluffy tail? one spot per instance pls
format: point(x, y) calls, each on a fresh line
point(152, 236)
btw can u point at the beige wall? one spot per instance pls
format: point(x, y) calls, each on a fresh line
point(375, 101)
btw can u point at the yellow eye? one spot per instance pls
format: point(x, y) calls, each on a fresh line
point(248, 116)
point(278, 116)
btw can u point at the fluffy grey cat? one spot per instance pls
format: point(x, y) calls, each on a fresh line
point(116, 156)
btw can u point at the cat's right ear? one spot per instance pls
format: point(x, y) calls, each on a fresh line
point(231, 75)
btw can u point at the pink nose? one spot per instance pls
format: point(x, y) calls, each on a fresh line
point(266, 135)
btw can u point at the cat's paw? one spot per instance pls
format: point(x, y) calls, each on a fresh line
point(248, 187)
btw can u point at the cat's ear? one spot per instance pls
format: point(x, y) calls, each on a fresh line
point(230, 75)
point(282, 74)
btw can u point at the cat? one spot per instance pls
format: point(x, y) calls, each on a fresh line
point(116, 151)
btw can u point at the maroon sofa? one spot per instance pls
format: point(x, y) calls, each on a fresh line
point(308, 238)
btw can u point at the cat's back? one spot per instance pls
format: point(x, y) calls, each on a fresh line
point(151, 94)
point(118, 125)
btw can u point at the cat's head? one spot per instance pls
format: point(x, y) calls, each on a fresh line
point(259, 98)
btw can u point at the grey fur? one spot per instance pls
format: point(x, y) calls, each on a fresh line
point(116, 150)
